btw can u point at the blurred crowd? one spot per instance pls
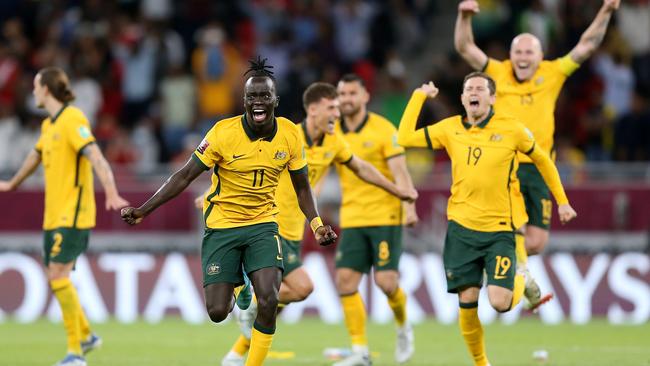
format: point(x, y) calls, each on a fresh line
point(153, 75)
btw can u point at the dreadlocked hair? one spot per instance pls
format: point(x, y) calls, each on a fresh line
point(259, 68)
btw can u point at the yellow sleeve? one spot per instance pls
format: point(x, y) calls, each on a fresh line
point(391, 147)
point(408, 136)
point(526, 144)
point(343, 151)
point(566, 65)
point(493, 67)
point(78, 133)
point(206, 154)
point(297, 156)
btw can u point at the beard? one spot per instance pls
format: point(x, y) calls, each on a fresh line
point(350, 110)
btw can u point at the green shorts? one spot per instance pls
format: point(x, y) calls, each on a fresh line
point(536, 196)
point(361, 248)
point(468, 252)
point(291, 255)
point(224, 251)
point(64, 244)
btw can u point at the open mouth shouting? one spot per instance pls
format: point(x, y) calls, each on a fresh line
point(259, 114)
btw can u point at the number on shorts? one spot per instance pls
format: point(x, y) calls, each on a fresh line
point(384, 252)
point(502, 267)
point(56, 248)
point(547, 210)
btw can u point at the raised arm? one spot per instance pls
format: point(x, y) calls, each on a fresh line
point(29, 166)
point(105, 175)
point(464, 37)
point(552, 179)
point(368, 173)
point(170, 189)
point(407, 135)
point(593, 36)
point(323, 233)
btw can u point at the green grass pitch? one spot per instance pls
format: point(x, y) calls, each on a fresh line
point(175, 343)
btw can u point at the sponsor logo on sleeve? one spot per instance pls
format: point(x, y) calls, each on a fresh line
point(203, 146)
point(84, 132)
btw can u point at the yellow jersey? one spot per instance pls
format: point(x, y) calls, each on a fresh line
point(364, 204)
point(320, 155)
point(247, 170)
point(69, 190)
point(485, 190)
point(533, 101)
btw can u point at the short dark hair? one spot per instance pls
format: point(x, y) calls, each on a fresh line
point(57, 83)
point(317, 91)
point(351, 77)
point(477, 74)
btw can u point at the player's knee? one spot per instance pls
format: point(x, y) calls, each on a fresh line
point(501, 304)
point(218, 312)
point(388, 287)
point(344, 285)
point(535, 244)
point(304, 290)
point(536, 241)
point(267, 303)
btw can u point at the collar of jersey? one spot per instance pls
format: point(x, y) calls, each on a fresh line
point(307, 138)
point(481, 124)
point(252, 135)
point(344, 128)
point(53, 119)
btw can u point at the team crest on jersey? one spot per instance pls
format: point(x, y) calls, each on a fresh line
point(539, 80)
point(213, 269)
point(203, 146)
point(280, 155)
point(367, 144)
point(84, 132)
point(496, 137)
point(328, 154)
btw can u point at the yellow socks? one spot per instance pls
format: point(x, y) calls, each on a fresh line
point(84, 326)
point(397, 302)
point(66, 294)
point(260, 345)
point(472, 331)
point(522, 261)
point(355, 320)
point(520, 250)
point(241, 345)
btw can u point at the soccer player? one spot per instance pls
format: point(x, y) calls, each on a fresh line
point(248, 153)
point(483, 147)
point(528, 87)
point(371, 221)
point(67, 149)
point(324, 147)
